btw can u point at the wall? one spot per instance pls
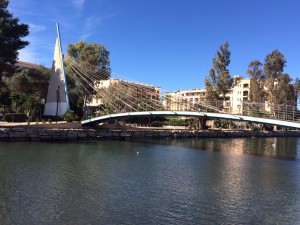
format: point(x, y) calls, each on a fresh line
point(41, 134)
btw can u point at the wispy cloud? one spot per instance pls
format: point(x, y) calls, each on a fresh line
point(38, 51)
point(92, 23)
point(36, 28)
point(85, 36)
point(23, 8)
point(78, 3)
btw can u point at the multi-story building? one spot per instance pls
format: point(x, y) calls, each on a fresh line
point(116, 90)
point(183, 100)
point(187, 99)
point(239, 94)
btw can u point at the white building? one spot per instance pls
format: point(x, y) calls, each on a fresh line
point(186, 99)
point(135, 91)
point(183, 100)
point(239, 93)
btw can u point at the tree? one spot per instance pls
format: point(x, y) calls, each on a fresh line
point(93, 56)
point(219, 82)
point(257, 80)
point(31, 82)
point(17, 101)
point(11, 32)
point(27, 89)
point(278, 84)
point(274, 64)
point(297, 88)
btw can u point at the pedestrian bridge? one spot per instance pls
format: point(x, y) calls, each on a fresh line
point(122, 99)
point(208, 115)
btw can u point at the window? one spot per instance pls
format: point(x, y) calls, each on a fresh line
point(246, 85)
point(245, 93)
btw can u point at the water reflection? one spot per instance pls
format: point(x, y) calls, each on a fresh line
point(182, 181)
point(277, 147)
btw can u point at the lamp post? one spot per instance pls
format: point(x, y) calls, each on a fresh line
point(42, 107)
point(57, 99)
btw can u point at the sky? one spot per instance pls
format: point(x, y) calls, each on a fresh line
point(166, 43)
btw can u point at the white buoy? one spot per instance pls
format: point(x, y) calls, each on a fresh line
point(137, 153)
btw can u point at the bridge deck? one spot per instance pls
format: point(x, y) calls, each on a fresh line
point(208, 115)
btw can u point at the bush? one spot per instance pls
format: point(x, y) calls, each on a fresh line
point(176, 122)
point(254, 128)
point(70, 116)
point(15, 117)
point(156, 124)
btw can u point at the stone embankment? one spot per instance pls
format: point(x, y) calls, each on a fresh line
point(44, 134)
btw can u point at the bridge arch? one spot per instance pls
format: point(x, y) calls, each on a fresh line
point(208, 115)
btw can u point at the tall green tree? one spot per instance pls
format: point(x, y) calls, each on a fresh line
point(11, 34)
point(257, 81)
point(297, 88)
point(279, 89)
point(219, 81)
point(27, 88)
point(30, 82)
point(93, 56)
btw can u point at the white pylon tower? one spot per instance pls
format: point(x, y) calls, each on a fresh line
point(57, 101)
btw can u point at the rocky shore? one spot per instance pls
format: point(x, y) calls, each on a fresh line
point(30, 133)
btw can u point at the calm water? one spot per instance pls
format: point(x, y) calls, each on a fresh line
point(184, 181)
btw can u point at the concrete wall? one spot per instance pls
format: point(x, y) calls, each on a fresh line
point(42, 134)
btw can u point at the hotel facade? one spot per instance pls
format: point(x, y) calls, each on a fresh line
point(190, 99)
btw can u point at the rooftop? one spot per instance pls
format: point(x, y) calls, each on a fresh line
point(27, 65)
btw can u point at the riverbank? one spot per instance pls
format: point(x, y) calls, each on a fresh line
point(73, 131)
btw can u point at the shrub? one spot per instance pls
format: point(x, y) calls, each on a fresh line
point(157, 124)
point(15, 117)
point(254, 128)
point(70, 116)
point(175, 122)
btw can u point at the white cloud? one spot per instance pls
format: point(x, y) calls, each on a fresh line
point(35, 28)
point(94, 21)
point(39, 51)
point(78, 3)
point(26, 54)
point(85, 36)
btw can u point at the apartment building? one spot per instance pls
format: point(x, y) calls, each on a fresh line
point(239, 94)
point(186, 99)
point(119, 88)
point(183, 100)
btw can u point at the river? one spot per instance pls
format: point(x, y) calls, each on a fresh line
point(181, 181)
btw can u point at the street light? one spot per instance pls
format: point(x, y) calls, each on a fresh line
point(57, 100)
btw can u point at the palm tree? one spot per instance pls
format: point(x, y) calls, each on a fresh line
point(17, 102)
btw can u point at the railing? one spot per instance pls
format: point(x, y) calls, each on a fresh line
point(280, 111)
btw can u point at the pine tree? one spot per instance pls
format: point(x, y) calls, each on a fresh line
point(219, 82)
point(11, 32)
point(257, 81)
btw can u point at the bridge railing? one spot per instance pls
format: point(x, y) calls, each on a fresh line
point(274, 111)
point(261, 110)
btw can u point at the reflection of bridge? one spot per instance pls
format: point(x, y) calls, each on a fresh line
point(123, 99)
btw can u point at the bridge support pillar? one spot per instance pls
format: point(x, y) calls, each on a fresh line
point(202, 123)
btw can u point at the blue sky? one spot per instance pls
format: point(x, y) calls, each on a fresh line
point(167, 43)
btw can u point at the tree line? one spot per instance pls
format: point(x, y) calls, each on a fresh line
point(268, 81)
point(24, 90)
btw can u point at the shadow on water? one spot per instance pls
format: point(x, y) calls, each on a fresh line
point(277, 147)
